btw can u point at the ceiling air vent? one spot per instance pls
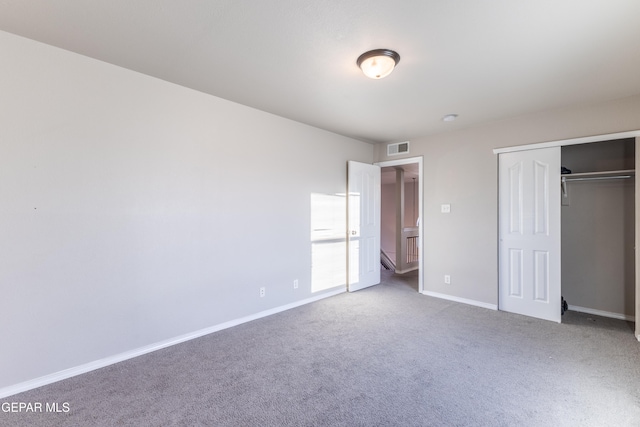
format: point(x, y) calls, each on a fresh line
point(398, 148)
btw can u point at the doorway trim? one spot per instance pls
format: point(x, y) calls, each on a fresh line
point(408, 161)
point(586, 140)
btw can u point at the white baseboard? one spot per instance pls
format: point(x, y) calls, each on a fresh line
point(462, 300)
point(101, 363)
point(595, 312)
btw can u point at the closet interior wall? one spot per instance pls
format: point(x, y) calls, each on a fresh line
point(598, 230)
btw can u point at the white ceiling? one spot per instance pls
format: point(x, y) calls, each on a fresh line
point(482, 59)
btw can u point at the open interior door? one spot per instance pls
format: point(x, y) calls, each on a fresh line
point(363, 211)
point(529, 208)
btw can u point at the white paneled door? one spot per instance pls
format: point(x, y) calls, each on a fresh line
point(529, 209)
point(363, 206)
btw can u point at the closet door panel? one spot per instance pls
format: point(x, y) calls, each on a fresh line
point(541, 197)
point(516, 269)
point(541, 276)
point(529, 209)
point(515, 199)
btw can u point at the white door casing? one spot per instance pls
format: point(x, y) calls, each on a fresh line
point(529, 233)
point(363, 211)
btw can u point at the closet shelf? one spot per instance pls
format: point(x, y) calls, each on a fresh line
point(593, 176)
point(600, 174)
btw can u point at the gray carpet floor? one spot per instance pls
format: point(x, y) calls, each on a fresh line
point(383, 356)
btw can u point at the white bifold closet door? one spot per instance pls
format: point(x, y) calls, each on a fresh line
point(529, 233)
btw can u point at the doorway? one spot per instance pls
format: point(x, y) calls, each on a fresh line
point(598, 228)
point(402, 211)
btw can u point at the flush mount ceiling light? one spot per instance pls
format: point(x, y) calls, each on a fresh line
point(449, 117)
point(378, 63)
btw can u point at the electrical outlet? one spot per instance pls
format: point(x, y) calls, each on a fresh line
point(447, 279)
point(263, 290)
point(295, 284)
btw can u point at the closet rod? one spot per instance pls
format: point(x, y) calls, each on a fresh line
point(565, 179)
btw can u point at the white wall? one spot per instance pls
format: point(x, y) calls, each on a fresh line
point(461, 169)
point(133, 210)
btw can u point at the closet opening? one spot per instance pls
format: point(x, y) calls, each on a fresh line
point(598, 228)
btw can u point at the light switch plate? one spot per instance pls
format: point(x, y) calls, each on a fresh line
point(445, 208)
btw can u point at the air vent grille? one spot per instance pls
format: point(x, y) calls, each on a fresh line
point(398, 148)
